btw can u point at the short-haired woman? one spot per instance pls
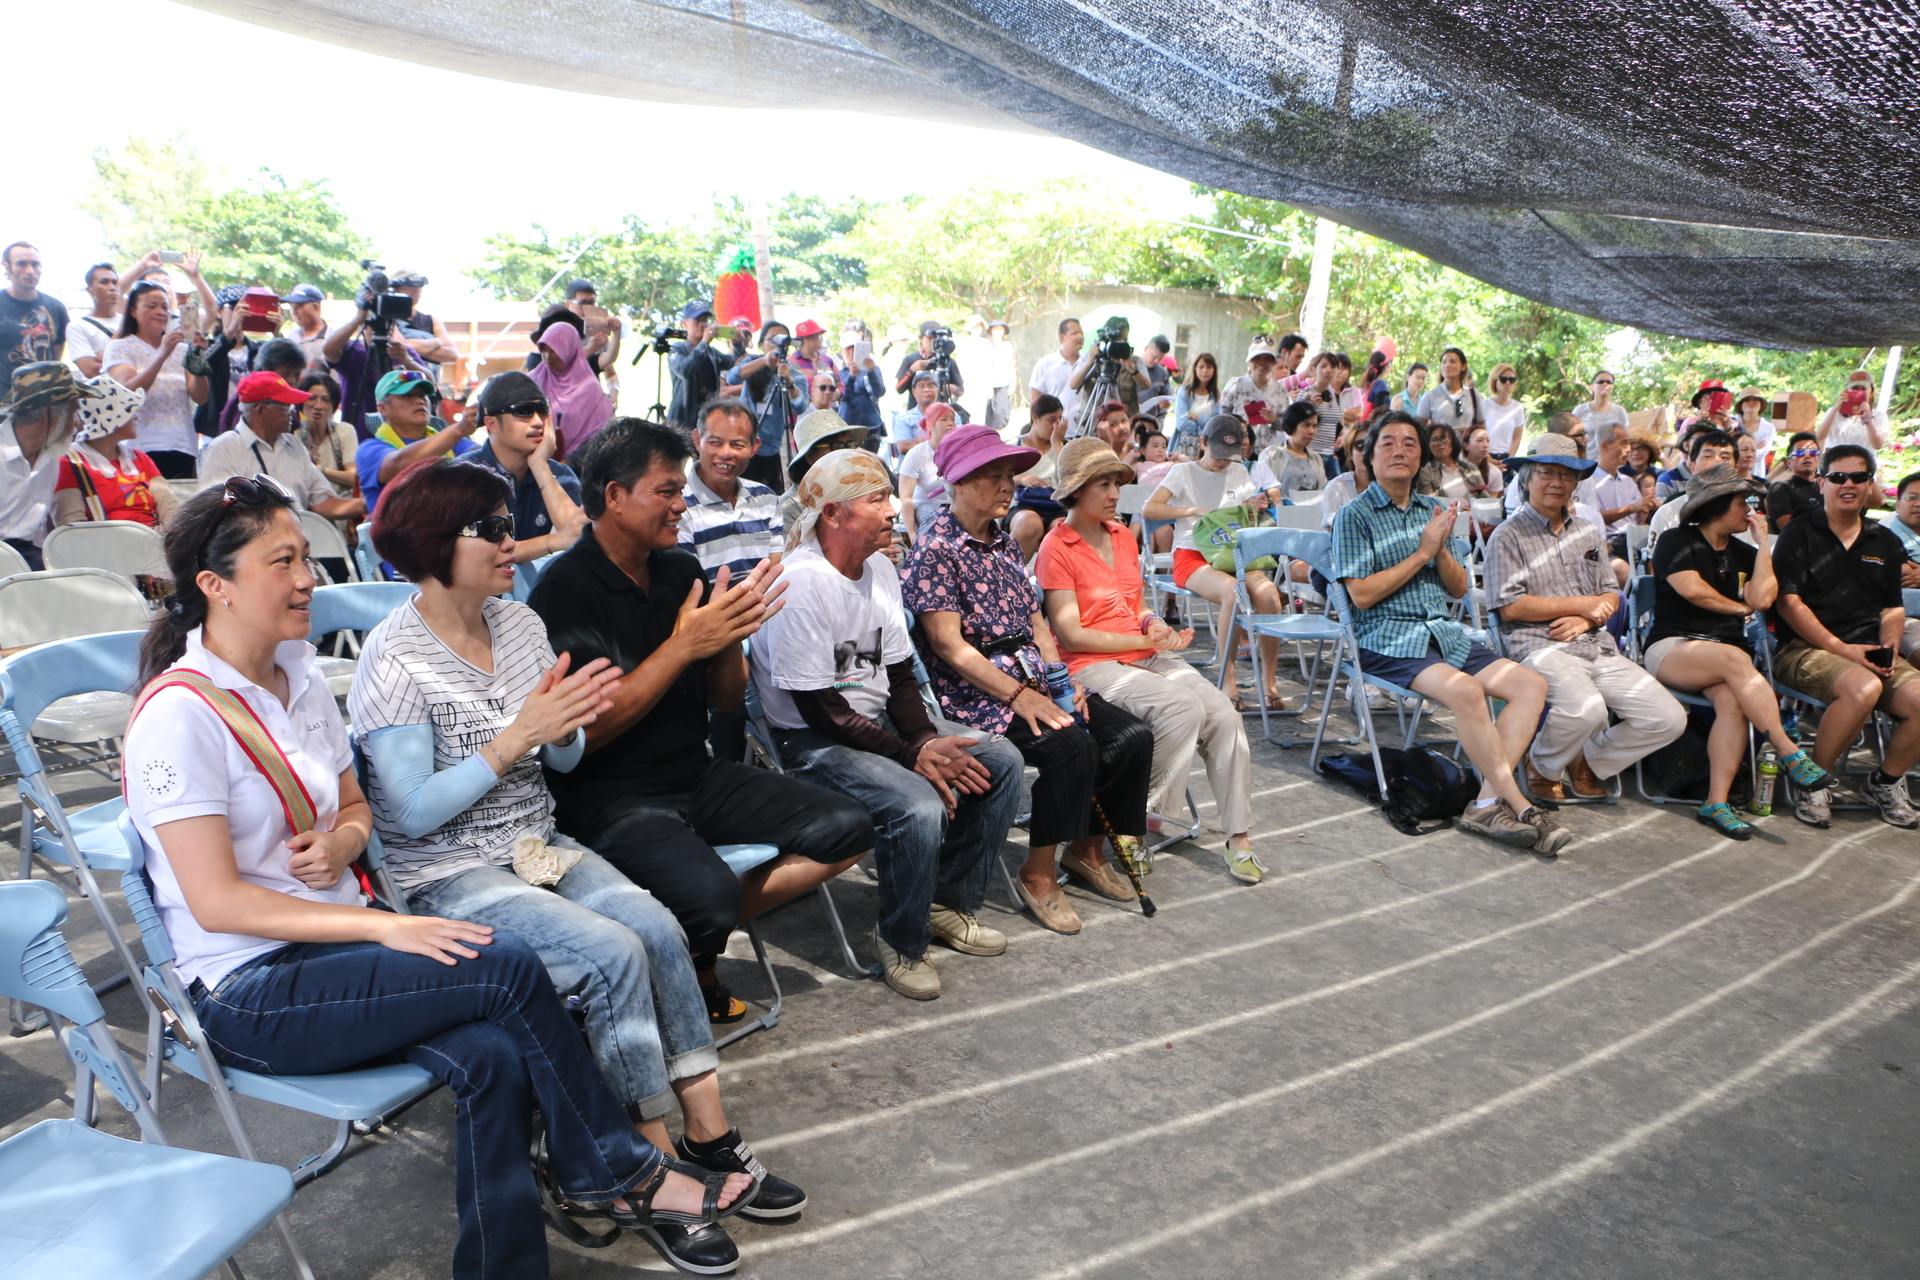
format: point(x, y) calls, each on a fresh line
point(1706, 582)
point(988, 644)
point(1118, 648)
point(1291, 465)
point(458, 704)
point(103, 477)
point(290, 971)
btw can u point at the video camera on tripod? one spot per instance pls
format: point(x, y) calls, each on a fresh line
point(384, 306)
point(1111, 350)
point(663, 339)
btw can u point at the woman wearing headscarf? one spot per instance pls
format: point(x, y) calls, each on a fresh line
point(580, 407)
point(103, 477)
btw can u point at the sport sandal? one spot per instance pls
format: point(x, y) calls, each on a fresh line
point(1726, 820)
point(1806, 775)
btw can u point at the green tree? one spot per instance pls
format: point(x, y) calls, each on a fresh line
point(638, 268)
point(161, 195)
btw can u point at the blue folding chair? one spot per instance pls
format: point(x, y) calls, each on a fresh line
point(363, 1098)
point(348, 607)
point(1640, 594)
point(78, 1204)
point(1876, 728)
point(363, 557)
point(85, 842)
point(1305, 545)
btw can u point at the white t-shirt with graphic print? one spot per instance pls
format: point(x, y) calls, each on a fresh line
point(832, 632)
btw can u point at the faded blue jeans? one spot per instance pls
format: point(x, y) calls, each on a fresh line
point(922, 857)
point(610, 942)
point(491, 1027)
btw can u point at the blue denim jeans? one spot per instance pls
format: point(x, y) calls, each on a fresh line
point(922, 857)
point(491, 1027)
point(610, 942)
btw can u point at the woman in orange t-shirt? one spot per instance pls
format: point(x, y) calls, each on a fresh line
point(103, 477)
point(1089, 571)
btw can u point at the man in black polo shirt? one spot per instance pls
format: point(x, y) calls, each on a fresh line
point(1839, 617)
point(1799, 493)
point(546, 494)
point(648, 797)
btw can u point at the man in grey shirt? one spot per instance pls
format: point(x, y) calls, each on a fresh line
point(1551, 588)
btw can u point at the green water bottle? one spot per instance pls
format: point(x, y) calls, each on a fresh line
point(1762, 805)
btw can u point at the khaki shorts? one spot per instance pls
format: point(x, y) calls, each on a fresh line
point(1815, 671)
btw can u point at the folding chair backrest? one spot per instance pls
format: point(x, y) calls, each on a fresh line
point(1911, 595)
point(1133, 498)
point(324, 539)
point(135, 888)
point(56, 604)
point(363, 555)
point(1640, 604)
point(1304, 516)
point(38, 677)
point(356, 606)
point(1306, 497)
point(35, 965)
point(1489, 510)
point(125, 547)
point(12, 562)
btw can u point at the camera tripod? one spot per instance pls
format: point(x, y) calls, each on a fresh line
point(1104, 387)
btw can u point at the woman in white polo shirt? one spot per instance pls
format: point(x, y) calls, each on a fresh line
point(240, 780)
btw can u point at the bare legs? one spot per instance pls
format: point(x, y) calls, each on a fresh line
point(1492, 745)
point(1218, 588)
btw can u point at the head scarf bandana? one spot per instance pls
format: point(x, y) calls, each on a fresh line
point(841, 476)
point(580, 407)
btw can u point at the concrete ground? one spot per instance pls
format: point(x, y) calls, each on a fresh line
point(1663, 1054)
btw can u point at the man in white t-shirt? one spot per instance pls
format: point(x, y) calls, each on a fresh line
point(834, 668)
point(88, 335)
point(1053, 371)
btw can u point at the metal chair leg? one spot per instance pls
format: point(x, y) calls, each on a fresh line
point(840, 933)
point(771, 1018)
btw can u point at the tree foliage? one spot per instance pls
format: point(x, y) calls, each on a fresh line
point(272, 232)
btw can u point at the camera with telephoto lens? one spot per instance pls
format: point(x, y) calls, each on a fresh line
point(942, 342)
point(384, 306)
point(781, 341)
point(664, 337)
point(1111, 342)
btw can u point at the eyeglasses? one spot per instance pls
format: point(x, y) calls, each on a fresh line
point(1848, 477)
point(526, 409)
point(494, 529)
point(1603, 382)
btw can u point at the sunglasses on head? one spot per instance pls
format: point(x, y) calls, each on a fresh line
point(404, 384)
point(257, 490)
point(526, 409)
point(1848, 477)
point(494, 529)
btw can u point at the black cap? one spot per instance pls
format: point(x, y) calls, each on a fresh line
point(1225, 435)
point(510, 388)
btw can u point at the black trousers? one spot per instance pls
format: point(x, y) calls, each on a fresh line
point(174, 465)
point(664, 843)
point(764, 468)
point(1109, 761)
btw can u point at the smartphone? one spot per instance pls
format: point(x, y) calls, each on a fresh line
point(862, 352)
point(172, 255)
point(1881, 656)
point(190, 315)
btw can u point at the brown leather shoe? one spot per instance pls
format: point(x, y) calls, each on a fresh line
point(1541, 787)
point(1586, 784)
point(1102, 879)
point(1052, 911)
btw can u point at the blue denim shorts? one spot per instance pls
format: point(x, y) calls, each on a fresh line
point(1404, 671)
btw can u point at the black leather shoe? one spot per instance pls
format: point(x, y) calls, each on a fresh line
point(699, 1251)
point(778, 1198)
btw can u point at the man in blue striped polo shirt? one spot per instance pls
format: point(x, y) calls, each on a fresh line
point(731, 521)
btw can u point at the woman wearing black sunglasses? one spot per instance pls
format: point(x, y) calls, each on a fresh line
point(458, 704)
point(290, 970)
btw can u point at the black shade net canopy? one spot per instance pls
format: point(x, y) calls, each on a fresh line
point(1742, 171)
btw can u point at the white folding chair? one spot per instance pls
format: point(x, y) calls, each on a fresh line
point(1305, 497)
point(125, 547)
point(184, 489)
point(325, 541)
point(12, 562)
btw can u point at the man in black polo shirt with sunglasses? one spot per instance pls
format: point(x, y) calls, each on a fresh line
point(546, 494)
point(1839, 619)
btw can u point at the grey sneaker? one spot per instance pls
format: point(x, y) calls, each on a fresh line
point(964, 933)
point(1551, 837)
point(1896, 808)
point(914, 979)
point(1815, 808)
point(1497, 822)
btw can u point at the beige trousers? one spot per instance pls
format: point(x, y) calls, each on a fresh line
point(1186, 711)
point(1579, 696)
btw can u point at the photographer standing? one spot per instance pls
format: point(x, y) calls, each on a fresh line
point(1130, 375)
point(425, 333)
point(348, 357)
point(696, 365)
point(935, 354)
point(767, 389)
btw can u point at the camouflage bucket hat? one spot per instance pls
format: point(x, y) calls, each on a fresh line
point(42, 383)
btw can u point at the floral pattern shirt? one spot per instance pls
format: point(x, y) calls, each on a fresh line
point(950, 571)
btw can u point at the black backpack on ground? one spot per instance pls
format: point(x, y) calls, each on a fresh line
point(1422, 786)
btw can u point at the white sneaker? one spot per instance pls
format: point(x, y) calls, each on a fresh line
point(1815, 808)
point(1895, 806)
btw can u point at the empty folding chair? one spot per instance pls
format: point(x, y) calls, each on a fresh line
point(1306, 545)
point(78, 1204)
point(12, 562)
point(325, 541)
point(125, 547)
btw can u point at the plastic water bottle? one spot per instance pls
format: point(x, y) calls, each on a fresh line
point(1762, 805)
point(1060, 689)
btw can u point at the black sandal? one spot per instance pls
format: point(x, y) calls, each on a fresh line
point(692, 1243)
point(722, 1009)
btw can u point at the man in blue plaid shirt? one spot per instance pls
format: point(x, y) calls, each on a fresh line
point(1390, 553)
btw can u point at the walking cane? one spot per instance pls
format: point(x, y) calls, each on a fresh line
point(1133, 859)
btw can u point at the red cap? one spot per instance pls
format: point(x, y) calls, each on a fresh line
point(256, 387)
point(807, 328)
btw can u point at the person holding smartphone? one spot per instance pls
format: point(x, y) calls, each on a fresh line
point(1839, 619)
